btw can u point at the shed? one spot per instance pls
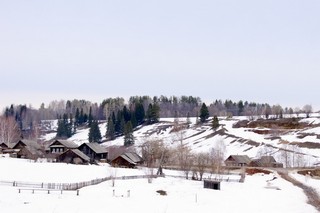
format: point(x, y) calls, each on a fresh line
point(237, 160)
point(209, 184)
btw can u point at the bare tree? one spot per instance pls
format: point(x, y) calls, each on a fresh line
point(201, 162)
point(307, 109)
point(217, 157)
point(297, 111)
point(9, 130)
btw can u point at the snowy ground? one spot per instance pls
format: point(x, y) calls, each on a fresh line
point(254, 195)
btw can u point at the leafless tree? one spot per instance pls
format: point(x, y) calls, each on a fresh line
point(9, 130)
point(297, 110)
point(201, 163)
point(307, 109)
point(154, 152)
point(217, 157)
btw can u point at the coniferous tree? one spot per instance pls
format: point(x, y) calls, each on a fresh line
point(77, 117)
point(153, 113)
point(215, 122)
point(94, 132)
point(139, 113)
point(204, 113)
point(128, 134)
point(90, 117)
point(110, 129)
point(64, 129)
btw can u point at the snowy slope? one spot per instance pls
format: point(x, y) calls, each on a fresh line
point(201, 138)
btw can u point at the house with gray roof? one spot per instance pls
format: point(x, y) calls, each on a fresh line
point(94, 151)
point(28, 149)
point(60, 146)
point(237, 161)
point(74, 156)
point(266, 161)
point(127, 159)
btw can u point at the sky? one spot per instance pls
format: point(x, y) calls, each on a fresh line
point(261, 51)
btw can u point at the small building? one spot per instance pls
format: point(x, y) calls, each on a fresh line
point(74, 156)
point(266, 161)
point(209, 184)
point(61, 146)
point(94, 151)
point(127, 159)
point(237, 161)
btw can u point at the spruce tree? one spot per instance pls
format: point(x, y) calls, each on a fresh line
point(204, 113)
point(215, 122)
point(90, 117)
point(128, 134)
point(139, 113)
point(94, 132)
point(110, 129)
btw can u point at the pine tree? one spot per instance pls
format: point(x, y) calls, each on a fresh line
point(139, 113)
point(77, 118)
point(128, 134)
point(153, 113)
point(94, 132)
point(110, 129)
point(215, 122)
point(204, 113)
point(64, 129)
point(90, 117)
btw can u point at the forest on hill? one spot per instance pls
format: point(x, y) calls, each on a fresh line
point(124, 115)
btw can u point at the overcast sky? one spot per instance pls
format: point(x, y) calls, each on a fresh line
point(262, 51)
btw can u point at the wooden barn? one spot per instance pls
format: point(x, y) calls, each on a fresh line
point(94, 151)
point(237, 161)
point(127, 159)
point(74, 156)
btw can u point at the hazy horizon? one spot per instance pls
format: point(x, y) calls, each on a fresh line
point(260, 51)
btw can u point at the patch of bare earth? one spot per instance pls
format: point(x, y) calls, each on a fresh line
point(312, 195)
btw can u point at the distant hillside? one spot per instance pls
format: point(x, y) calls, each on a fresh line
point(296, 141)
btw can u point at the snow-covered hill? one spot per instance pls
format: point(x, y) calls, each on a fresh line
point(302, 143)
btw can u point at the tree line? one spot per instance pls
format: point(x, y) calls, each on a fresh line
point(123, 116)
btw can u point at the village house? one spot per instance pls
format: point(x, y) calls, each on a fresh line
point(60, 146)
point(28, 149)
point(94, 151)
point(266, 161)
point(74, 156)
point(127, 159)
point(237, 161)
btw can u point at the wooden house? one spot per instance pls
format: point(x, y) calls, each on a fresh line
point(3, 146)
point(61, 146)
point(74, 156)
point(266, 161)
point(127, 159)
point(28, 149)
point(237, 161)
point(94, 151)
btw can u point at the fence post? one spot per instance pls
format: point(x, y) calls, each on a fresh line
point(78, 192)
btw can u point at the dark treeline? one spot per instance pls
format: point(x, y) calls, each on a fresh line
point(119, 112)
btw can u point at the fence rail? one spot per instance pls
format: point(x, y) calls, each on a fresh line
point(79, 185)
